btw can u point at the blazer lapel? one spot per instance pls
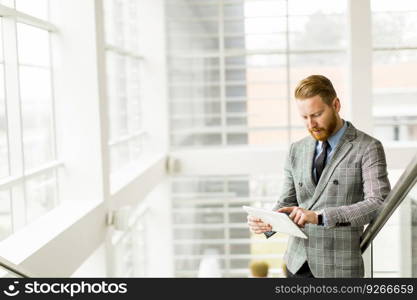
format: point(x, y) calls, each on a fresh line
point(309, 149)
point(342, 149)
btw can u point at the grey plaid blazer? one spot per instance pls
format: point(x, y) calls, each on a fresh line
point(350, 193)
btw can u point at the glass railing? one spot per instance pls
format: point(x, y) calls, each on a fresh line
point(391, 239)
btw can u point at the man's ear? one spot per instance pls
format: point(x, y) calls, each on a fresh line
point(336, 104)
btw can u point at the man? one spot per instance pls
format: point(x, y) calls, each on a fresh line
point(335, 183)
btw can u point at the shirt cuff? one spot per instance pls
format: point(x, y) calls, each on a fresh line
point(324, 220)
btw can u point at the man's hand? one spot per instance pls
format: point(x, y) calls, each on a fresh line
point(257, 226)
point(300, 215)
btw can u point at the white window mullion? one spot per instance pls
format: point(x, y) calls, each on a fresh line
point(53, 109)
point(14, 120)
point(222, 78)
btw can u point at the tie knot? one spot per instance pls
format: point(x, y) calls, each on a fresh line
point(325, 145)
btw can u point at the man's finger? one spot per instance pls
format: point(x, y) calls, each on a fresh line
point(254, 224)
point(250, 218)
point(298, 216)
point(302, 220)
point(287, 209)
point(294, 213)
point(295, 217)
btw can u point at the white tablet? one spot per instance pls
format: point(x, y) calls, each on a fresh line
point(280, 222)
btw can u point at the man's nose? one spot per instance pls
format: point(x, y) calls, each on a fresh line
point(311, 123)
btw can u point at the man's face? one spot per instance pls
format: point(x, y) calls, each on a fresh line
point(319, 118)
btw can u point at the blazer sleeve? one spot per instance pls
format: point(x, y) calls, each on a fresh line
point(288, 196)
point(376, 187)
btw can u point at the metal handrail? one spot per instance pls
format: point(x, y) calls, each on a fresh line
point(406, 182)
point(11, 267)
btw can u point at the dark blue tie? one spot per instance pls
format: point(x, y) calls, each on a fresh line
point(320, 162)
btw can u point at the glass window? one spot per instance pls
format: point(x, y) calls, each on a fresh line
point(130, 253)
point(263, 49)
point(33, 45)
point(8, 3)
point(124, 79)
point(399, 258)
point(35, 94)
point(35, 85)
point(394, 65)
point(4, 154)
point(306, 7)
point(31, 105)
point(208, 220)
point(41, 195)
point(5, 215)
point(120, 21)
point(36, 8)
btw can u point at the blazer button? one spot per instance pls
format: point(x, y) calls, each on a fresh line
point(300, 184)
point(335, 182)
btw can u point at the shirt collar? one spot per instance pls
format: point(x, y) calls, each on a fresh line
point(335, 138)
